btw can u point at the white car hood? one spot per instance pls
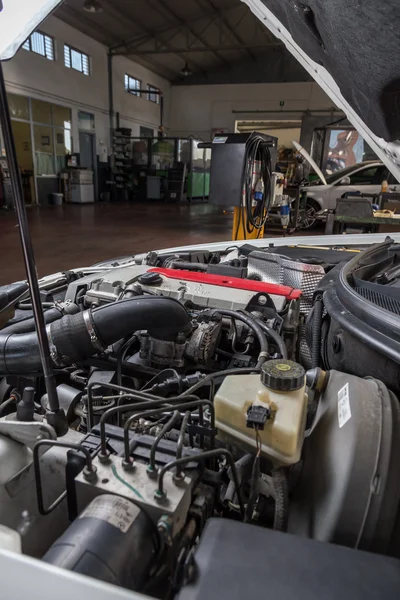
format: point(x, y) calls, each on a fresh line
point(378, 24)
point(18, 18)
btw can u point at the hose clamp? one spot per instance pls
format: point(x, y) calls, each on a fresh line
point(94, 338)
point(55, 356)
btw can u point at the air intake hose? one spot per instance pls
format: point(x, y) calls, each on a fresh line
point(77, 337)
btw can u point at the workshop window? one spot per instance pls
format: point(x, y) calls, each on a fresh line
point(75, 59)
point(153, 94)
point(132, 85)
point(40, 43)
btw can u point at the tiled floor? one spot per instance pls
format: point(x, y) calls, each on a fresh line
point(80, 235)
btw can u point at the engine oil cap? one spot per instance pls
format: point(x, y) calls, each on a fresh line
point(282, 375)
point(150, 278)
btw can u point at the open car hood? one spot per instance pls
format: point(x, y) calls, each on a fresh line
point(350, 47)
point(18, 18)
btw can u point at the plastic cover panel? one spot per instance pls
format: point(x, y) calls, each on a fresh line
point(349, 488)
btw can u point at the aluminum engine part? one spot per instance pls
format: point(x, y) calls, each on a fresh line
point(203, 342)
point(161, 353)
point(136, 485)
point(112, 285)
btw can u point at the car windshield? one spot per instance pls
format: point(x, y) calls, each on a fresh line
point(342, 173)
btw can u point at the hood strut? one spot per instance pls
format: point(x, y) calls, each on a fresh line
point(55, 415)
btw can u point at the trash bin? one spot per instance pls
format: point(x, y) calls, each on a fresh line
point(56, 199)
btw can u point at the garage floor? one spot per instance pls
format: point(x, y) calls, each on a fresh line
point(80, 235)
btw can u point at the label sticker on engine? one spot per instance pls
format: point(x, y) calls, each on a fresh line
point(344, 411)
point(115, 510)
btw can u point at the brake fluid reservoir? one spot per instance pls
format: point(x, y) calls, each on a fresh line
point(275, 403)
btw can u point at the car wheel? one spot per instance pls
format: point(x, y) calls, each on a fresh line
point(309, 221)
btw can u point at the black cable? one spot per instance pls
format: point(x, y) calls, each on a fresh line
point(176, 415)
point(121, 356)
point(202, 457)
point(181, 439)
point(252, 324)
point(209, 378)
point(269, 331)
point(257, 150)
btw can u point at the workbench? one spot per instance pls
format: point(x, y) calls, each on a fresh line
point(334, 222)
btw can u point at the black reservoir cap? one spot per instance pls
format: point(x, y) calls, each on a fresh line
point(282, 375)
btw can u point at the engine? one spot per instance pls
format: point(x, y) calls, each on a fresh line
point(201, 385)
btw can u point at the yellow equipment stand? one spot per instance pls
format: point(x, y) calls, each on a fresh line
point(239, 231)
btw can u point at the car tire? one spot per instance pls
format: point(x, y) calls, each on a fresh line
point(312, 207)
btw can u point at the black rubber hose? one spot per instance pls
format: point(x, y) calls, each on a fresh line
point(70, 338)
point(188, 266)
point(274, 335)
point(252, 325)
point(281, 490)
point(26, 325)
point(316, 333)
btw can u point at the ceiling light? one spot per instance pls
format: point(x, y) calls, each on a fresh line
point(186, 71)
point(92, 6)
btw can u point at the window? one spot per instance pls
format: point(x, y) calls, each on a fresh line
point(85, 121)
point(40, 43)
point(153, 94)
point(132, 85)
point(74, 59)
point(369, 176)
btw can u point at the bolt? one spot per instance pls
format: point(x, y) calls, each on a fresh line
point(90, 474)
point(104, 457)
point(262, 300)
point(128, 465)
point(178, 478)
point(160, 497)
point(151, 472)
point(164, 527)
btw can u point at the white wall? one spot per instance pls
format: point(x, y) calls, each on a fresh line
point(32, 75)
point(136, 111)
point(199, 109)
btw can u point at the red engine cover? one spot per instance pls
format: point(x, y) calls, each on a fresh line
point(232, 282)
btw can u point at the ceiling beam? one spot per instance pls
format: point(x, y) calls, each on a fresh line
point(192, 50)
point(109, 9)
point(232, 31)
point(170, 11)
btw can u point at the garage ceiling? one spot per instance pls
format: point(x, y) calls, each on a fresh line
point(220, 40)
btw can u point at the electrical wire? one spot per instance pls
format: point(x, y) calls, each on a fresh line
point(121, 356)
point(257, 150)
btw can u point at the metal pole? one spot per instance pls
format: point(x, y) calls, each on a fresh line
point(161, 112)
point(56, 416)
point(111, 120)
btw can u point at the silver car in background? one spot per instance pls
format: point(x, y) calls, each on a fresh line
point(365, 177)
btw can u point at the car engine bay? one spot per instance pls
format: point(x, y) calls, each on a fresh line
point(253, 384)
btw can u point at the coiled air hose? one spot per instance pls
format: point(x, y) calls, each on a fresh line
point(79, 336)
point(255, 217)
